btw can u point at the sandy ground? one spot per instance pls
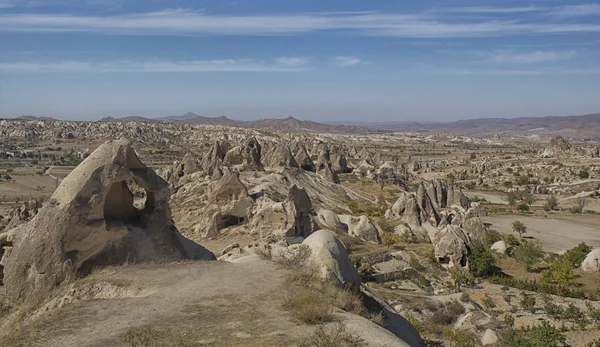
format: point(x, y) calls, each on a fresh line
point(227, 304)
point(556, 235)
point(27, 186)
point(494, 198)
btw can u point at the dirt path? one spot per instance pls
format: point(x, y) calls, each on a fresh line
point(224, 304)
point(555, 235)
point(494, 198)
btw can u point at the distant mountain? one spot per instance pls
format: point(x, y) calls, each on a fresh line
point(585, 126)
point(35, 118)
point(289, 124)
point(127, 119)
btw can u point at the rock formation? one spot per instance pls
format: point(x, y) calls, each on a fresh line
point(329, 258)
point(558, 147)
point(90, 221)
point(246, 157)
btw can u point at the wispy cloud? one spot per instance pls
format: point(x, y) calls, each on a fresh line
point(576, 10)
point(6, 4)
point(513, 72)
point(485, 9)
point(346, 61)
point(512, 57)
point(227, 65)
point(292, 61)
point(188, 22)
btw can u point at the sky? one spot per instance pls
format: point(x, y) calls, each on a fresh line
point(335, 60)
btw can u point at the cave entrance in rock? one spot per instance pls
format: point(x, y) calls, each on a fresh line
point(229, 221)
point(127, 202)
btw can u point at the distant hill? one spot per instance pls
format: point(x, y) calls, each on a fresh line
point(128, 119)
point(289, 124)
point(584, 126)
point(36, 118)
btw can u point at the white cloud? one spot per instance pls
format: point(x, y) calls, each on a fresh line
point(485, 9)
point(227, 65)
point(6, 4)
point(515, 72)
point(187, 22)
point(292, 61)
point(511, 57)
point(347, 61)
point(576, 10)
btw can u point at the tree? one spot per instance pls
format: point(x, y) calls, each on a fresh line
point(481, 259)
point(512, 199)
point(528, 254)
point(519, 228)
point(551, 203)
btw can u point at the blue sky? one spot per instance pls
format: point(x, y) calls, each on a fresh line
point(335, 60)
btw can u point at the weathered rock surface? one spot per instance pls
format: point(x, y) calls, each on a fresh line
point(246, 157)
point(90, 221)
point(329, 258)
point(591, 263)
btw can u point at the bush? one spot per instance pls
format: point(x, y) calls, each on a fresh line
point(543, 335)
point(576, 210)
point(528, 253)
point(523, 207)
point(459, 338)
point(481, 259)
point(470, 185)
point(560, 271)
point(488, 303)
point(448, 313)
point(553, 310)
point(390, 239)
point(527, 302)
point(490, 237)
point(534, 286)
point(512, 240)
point(584, 174)
point(577, 254)
point(551, 203)
point(576, 316)
point(336, 336)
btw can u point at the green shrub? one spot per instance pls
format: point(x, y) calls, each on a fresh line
point(574, 314)
point(523, 207)
point(551, 204)
point(528, 253)
point(490, 237)
point(543, 335)
point(481, 259)
point(488, 303)
point(577, 254)
point(534, 286)
point(527, 302)
point(519, 228)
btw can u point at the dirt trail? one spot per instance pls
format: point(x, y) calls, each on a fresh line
point(555, 235)
point(197, 294)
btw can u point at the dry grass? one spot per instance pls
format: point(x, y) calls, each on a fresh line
point(308, 306)
point(337, 336)
point(312, 300)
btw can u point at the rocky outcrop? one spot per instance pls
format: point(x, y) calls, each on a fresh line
point(362, 227)
point(227, 205)
point(558, 147)
point(451, 247)
point(329, 259)
point(22, 214)
point(303, 158)
point(329, 220)
point(292, 218)
point(414, 209)
point(213, 160)
point(246, 157)
point(444, 195)
point(90, 221)
point(280, 156)
point(324, 168)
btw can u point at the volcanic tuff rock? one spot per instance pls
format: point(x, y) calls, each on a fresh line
point(90, 221)
point(246, 157)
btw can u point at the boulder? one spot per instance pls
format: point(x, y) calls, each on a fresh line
point(91, 221)
point(329, 258)
point(329, 220)
point(362, 227)
point(591, 263)
point(451, 247)
point(499, 247)
point(489, 338)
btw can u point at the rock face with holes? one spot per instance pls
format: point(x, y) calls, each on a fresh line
point(90, 221)
point(246, 157)
point(290, 219)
